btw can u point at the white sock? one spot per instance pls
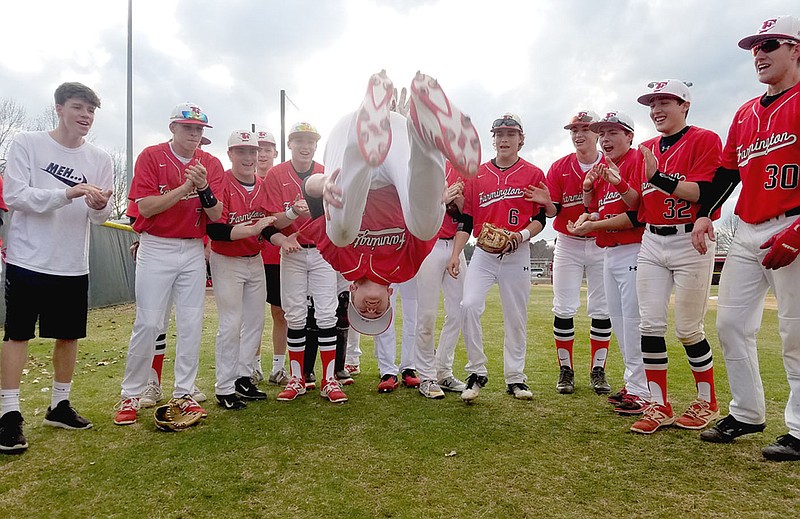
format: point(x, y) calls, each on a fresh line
point(278, 362)
point(60, 392)
point(9, 400)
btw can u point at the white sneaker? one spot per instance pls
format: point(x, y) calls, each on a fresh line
point(520, 391)
point(279, 378)
point(257, 377)
point(152, 395)
point(451, 383)
point(198, 395)
point(373, 128)
point(430, 389)
point(442, 126)
point(474, 384)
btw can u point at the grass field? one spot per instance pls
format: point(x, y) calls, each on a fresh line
point(395, 455)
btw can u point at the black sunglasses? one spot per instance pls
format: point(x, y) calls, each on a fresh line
point(506, 121)
point(770, 45)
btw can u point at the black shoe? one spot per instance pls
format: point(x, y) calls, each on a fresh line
point(231, 402)
point(311, 381)
point(65, 416)
point(729, 428)
point(245, 389)
point(785, 448)
point(599, 382)
point(11, 439)
point(566, 381)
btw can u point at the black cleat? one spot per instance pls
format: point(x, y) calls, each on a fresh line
point(245, 389)
point(65, 416)
point(232, 402)
point(728, 429)
point(566, 381)
point(598, 380)
point(785, 448)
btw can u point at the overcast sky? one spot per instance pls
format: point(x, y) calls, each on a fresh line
point(542, 59)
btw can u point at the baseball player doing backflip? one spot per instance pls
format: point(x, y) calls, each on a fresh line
point(575, 255)
point(384, 191)
point(763, 152)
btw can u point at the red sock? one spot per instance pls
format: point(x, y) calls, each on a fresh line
point(564, 351)
point(654, 351)
point(327, 351)
point(296, 345)
point(702, 364)
point(158, 356)
point(599, 337)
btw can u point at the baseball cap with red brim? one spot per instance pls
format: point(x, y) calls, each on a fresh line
point(582, 117)
point(668, 87)
point(367, 326)
point(778, 27)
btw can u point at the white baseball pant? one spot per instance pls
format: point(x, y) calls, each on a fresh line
point(240, 291)
point(623, 306)
point(437, 363)
point(512, 274)
point(166, 267)
point(386, 343)
point(664, 262)
point(302, 272)
point(571, 257)
point(740, 308)
point(415, 171)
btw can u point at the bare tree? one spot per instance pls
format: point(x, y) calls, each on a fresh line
point(119, 200)
point(725, 229)
point(12, 120)
point(46, 120)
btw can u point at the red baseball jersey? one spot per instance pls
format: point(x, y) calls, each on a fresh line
point(283, 187)
point(159, 171)
point(610, 203)
point(450, 224)
point(565, 183)
point(240, 206)
point(496, 196)
point(384, 251)
point(763, 145)
point(695, 157)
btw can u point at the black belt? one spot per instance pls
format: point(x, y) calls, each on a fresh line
point(308, 245)
point(450, 238)
point(251, 255)
point(669, 230)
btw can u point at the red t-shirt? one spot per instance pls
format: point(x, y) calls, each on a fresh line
point(496, 196)
point(159, 171)
point(610, 203)
point(384, 250)
point(763, 145)
point(695, 157)
point(283, 186)
point(565, 183)
point(240, 206)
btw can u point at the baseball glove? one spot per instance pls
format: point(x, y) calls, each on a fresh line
point(172, 417)
point(495, 240)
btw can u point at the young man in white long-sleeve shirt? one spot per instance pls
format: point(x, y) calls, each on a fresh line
point(56, 184)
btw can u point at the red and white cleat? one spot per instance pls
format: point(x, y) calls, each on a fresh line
point(294, 388)
point(332, 390)
point(373, 127)
point(443, 126)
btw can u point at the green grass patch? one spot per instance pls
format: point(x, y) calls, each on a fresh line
point(395, 455)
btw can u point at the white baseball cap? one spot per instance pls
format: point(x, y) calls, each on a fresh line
point(617, 119)
point(367, 326)
point(783, 26)
point(509, 121)
point(189, 113)
point(671, 87)
point(303, 127)
point(242, 138)
point(582, 117)
point(264, 136)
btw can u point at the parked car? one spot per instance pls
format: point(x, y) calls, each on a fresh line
point(537, 272)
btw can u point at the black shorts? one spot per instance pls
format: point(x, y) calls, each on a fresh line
point(273, 273)
point(59, 303)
